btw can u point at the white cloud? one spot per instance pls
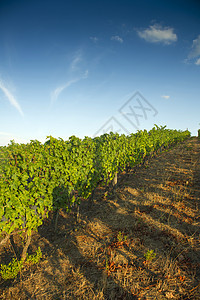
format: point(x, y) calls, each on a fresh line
point(11, 98)
point(60, 89)
point(76, 61)
point(74, 66)
point(117, 38)
point(197, 62)
point(157, 34)
point(85, 75)
point(94, 39)
point(165, 96)
point(195, 52)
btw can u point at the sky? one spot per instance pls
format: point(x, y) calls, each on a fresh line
point(85, 68)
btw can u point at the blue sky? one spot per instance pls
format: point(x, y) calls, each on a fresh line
point(88, 67)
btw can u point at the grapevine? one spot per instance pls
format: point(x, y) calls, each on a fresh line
point(38, 178)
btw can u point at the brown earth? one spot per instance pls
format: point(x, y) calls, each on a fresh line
point(101, 253)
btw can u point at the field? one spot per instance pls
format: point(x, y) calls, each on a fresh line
point(140, 241)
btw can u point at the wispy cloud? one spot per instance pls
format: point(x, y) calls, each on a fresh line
point(10, 97)
point(158, 34)
point(117, 38)
point(195, 52)
point(75, 72)
point(165, 96)
point(85, 75)
point(197, 62)
point(94, 39)
point(76, 61)
point(60, 89)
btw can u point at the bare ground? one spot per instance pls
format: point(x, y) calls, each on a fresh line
point(100, 253)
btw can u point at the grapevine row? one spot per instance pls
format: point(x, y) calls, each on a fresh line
point(38, 178)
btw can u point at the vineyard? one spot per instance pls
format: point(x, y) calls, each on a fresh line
point(38, 181)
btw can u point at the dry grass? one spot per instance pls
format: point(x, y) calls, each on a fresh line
point(155, 207)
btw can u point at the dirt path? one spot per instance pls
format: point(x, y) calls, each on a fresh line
point(104, 253)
